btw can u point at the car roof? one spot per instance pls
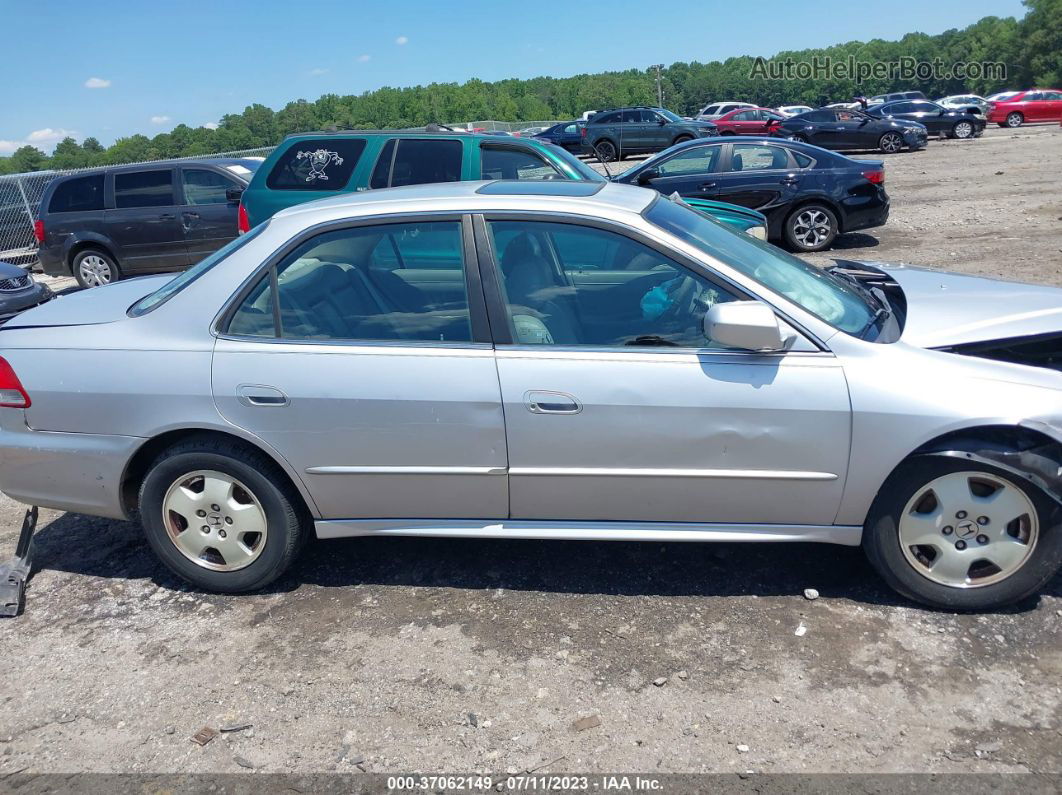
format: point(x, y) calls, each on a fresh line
point(575, 196)
point(152, 164)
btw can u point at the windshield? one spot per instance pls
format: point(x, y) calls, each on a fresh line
point(182, 280)
point(828, 297)
point(669, 115)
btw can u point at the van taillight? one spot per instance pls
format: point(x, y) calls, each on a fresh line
point(38, 231)
point(877, 177)
point(582, 131)
point(12, 394)
point(243, 224)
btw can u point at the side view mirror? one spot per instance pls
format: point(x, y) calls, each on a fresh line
point(746, 325)
point(648, 176)
point(233, 194)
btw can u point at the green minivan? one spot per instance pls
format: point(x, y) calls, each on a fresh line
point(312, 166)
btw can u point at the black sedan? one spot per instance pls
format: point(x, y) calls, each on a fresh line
point(19, 292)
point(838, 128)
point(808, 194)
point(938, 120)
point(567, 134)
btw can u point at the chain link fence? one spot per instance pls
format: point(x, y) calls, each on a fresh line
point(20, 194)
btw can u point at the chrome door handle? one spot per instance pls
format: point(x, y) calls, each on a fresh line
point(706, 185)
point(544, 402)
point(258, 395)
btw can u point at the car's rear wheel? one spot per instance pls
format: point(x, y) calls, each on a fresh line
point(960, 535)
point(890, 143)
point(1015, 119)
point(221, 516)
point(962, 129)
point(811, 227)
point(95, 268)
point(606, 151)
point(798, 137)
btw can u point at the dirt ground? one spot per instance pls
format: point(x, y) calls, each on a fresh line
point(397, 655)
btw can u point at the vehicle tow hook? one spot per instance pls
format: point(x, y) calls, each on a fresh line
point(15, 573)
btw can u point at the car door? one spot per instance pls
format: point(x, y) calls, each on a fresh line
point(692, 172)
point(618, 409)
point(851, 130)
point(928, 113)
point(142, 221)
point(207, 217)
point(828, 131)
point(1053, 105)
point(760, 176)
point(381, 392)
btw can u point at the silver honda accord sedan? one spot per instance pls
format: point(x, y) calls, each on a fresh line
point(548, 360)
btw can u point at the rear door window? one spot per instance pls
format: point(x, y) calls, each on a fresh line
point(316, 165)
point(512, 163)
point(78, 195)
point(143, 188)
point(417, 162)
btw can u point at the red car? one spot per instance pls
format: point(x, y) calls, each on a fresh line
point(748, 121)
point(1037, 104)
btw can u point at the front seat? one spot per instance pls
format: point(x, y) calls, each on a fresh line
point(530, 282)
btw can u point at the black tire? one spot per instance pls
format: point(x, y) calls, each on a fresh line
point(287, 520)
point(797, 220)
point(963, 129)
point(887, 143)
point(607, 152)
point(1014, 119)
point(89, 265)
point(798, 137)
point(681, 139)
point(882, 545)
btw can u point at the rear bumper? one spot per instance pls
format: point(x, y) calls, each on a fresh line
point(77, 472)
point(865, 212)
point(52, 261)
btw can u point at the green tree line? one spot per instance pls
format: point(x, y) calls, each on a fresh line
point(1030, 49)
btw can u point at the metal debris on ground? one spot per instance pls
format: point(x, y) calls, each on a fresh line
point(238, 727)
point(205, 735)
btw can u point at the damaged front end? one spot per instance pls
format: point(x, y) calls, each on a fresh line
point(1026, 452)
point(1041, 350)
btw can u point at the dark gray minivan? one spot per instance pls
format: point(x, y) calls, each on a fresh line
point(128, 220)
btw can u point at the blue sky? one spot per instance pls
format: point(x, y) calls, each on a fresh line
point(123, 67)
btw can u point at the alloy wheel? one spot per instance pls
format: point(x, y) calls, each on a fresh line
point(95, 270)
point(968, 529)
point(214, 520)
point(811, 227)
point(1014, 120)
point(606, 151)
point(963, 129)
point(891, 143)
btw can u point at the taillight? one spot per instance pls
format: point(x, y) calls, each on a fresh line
point(243, 223)
point(877, 177)
point(582, 131)
point(12, 394)
point(38, 231)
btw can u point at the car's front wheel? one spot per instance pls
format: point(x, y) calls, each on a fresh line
point(1015, 119)
point(962, 129)
point(810, 228)
point(960, 535)
point(890, 143)
point(95, 268)
point(221, 515)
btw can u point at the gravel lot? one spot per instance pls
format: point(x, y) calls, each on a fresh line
point(449, 655)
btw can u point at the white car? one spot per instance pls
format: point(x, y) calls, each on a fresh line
point(965, 101)
point(718, 109)
point(794, 110)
